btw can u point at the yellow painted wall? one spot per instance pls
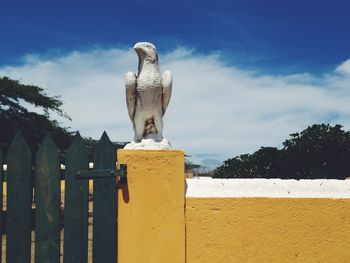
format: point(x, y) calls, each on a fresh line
point(267, 230)
point(151, 217)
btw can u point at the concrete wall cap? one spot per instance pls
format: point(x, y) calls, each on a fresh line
point(274, 188)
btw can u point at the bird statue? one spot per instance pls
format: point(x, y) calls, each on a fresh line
point(147, 97)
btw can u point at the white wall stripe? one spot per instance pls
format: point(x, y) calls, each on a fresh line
point(274, 188)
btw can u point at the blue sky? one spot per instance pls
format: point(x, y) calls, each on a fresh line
point(270, 67)
point(286, 36)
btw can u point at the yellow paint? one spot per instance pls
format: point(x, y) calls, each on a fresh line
point(189, 174)
point(151, 208)
point(267, 230)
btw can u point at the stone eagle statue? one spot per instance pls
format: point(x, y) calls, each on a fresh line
point(147, 97)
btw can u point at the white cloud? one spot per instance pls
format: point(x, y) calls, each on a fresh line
point(216, 110)
point(344, 68)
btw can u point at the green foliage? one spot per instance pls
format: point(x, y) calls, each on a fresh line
point(15, 116)
point(320, 151)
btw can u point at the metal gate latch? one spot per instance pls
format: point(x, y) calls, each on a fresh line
point(104, 173)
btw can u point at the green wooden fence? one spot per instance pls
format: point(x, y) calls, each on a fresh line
point(41, 182)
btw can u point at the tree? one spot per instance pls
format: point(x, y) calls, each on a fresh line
point(34, 125)
point(320, 151)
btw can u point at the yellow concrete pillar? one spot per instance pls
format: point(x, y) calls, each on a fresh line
point(151, 224)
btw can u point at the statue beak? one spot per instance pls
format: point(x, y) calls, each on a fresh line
point(140, 52)
point(138, 48)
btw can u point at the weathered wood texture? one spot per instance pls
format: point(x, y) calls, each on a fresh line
point(19, 201)
point(105, 205)
point(47, 200)
point(76, 204)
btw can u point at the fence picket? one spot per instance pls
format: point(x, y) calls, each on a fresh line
point(1, 180)
point(105, 205)
point(76, 204)
point(47, 199)
point(19, 201)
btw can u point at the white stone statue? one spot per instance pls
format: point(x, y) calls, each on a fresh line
point(147, 97)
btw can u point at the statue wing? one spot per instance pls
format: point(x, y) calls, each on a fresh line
point(167, 82)
point(130, 88)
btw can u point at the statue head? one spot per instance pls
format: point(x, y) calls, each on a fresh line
point(146, 52)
